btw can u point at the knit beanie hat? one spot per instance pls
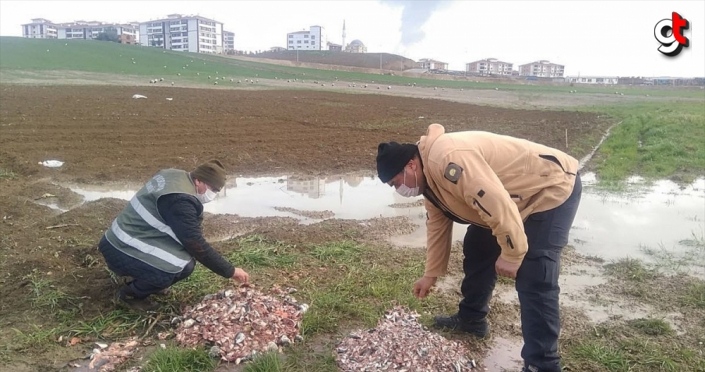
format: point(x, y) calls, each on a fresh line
point(211, 172)
point(392, 157)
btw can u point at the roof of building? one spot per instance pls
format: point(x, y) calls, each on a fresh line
point(172, 17)
point(430, 60)
point(299, 32)
point(541, 62)
point(357, 42)
point(491, 60)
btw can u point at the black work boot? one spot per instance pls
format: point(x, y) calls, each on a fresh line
point(478, 328)
point(126, 297)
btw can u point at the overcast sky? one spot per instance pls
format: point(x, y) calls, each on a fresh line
point(588, 37)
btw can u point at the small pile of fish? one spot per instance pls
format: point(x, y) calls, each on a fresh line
point(108, 358)
point(400, 343)
point(240, 323)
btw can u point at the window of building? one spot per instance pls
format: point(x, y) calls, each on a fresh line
point(313, 36)
point(298, 41)
point(305, 41)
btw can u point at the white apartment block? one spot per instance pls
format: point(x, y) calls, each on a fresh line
point(604, 80)
point(228, 41)
point(183, 33)
point(40, 28)
point(541, 68)
point(489, 66)
point(432, 64)
point(127, 34)
point(313, 39)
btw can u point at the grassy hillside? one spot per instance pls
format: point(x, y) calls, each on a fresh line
point(19, 54)
point(364, 60)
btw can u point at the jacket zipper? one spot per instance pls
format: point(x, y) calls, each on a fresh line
point(481, 207)
point(435, 201)
point(509, 242)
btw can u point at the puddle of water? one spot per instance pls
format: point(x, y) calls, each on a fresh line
point(504, 355)
point(608, 225)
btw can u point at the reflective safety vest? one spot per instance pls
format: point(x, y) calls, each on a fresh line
point(139, 230)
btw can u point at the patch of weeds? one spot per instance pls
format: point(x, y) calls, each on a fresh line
point(344, 250)
point(38, 339)
point(173, 359)
point(694, 295)
point(7, 174)
point(200, 283)
point(117, 323)
point(598, 353)
point(651, 327)
point(267, 362)
point(362, 291)
point(254, 251)
point(301, 357)
point(46, 295)
point(631, 269)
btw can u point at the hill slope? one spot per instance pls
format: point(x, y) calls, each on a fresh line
point(383, 61)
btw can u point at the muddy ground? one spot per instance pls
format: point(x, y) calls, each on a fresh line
point(104, 136)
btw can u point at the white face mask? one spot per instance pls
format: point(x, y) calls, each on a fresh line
point(409, 192)
point(207, 196)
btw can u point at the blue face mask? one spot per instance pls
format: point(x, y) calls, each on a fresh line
point(409, 192)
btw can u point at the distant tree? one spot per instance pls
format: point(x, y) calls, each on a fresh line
point(108, 36)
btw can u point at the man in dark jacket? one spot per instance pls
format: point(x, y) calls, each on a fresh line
point(158, 235)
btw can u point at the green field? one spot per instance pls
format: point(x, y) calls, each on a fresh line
point(112, 58)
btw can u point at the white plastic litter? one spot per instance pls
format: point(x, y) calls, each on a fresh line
point(169, 99)
point(138, 96)
point(51, 163)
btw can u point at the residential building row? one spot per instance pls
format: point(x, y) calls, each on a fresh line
point(493, 66)
point(175, 32)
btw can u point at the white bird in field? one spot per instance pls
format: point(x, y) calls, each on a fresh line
point(51, 163)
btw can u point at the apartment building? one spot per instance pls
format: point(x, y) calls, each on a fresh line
point(127, 34)
point(432, 64)
point(603, 80)
point(228, 41)
point(313, 39)
point(40, 28)
point(542, 68)
point(45, 29)
point(489, 66)
point(183, 33)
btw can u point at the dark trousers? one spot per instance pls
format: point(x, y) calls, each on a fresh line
point(146, 278)
point(536, 282)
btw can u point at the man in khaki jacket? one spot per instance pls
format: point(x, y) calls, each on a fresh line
point(519, 198)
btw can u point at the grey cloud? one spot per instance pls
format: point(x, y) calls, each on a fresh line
point(414, 15)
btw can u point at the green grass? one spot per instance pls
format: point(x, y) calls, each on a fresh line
point(631, 270)
point(616, 348)
point(174, 359)
point(654, 140)
point(651, 327)
point(695, 295)
point(267, 362)
point(7, 174)
point(19, 54)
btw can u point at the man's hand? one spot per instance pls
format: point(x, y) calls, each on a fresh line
point(423, 286)
point(241, 276)
point(506, 268)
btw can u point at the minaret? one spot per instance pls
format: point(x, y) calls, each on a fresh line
point(343, 46)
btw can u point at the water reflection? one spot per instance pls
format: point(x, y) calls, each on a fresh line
point(608, 224)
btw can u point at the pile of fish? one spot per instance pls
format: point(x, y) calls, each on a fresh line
point(400, 343)
point(108, 358)
point(240, 323)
